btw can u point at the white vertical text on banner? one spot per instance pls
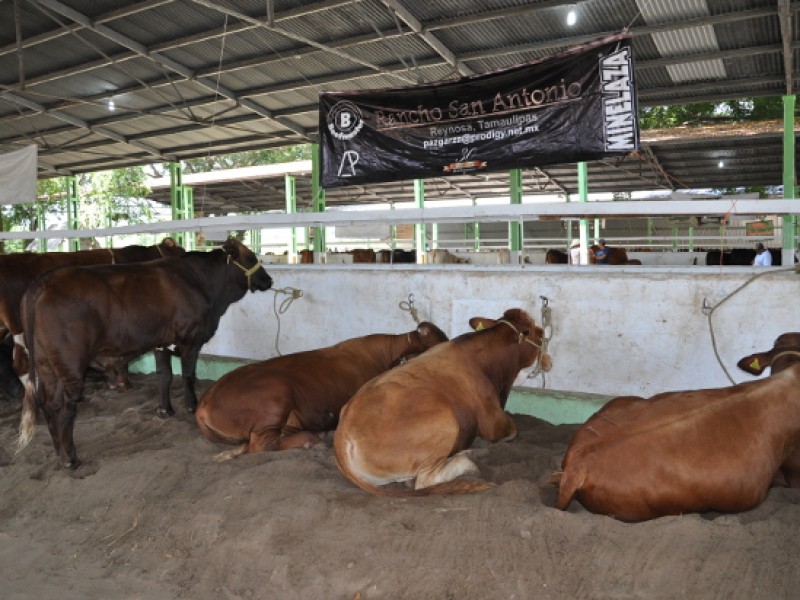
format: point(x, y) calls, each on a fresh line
point(18, 175)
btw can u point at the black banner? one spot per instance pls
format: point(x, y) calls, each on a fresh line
point(577, 105)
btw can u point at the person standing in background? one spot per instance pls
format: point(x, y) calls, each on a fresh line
point(763, 256)
point(601, 253)
point(575, 253)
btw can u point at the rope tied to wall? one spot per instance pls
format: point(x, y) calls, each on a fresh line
point(408, 305)
point(546, 324)
point(292, 295)
point(708, 310)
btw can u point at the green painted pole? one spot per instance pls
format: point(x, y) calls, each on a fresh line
point(182, 204)
point(476, 231)
point(515, 227)
point(291, 209)
point(583, 196)
point(71, 183)
point(789, 180)
point(419, 228)
point(318, 201)
point(41, 225)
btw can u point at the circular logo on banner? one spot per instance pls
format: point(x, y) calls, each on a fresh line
point(345, 120)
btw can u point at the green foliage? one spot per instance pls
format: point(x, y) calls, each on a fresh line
point(114, 197)
point(248, 159)
point(748, 109)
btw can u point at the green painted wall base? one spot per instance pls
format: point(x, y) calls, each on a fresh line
point(556, 407)
point(208, 366)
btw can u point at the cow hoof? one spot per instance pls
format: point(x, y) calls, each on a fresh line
point(165, 413)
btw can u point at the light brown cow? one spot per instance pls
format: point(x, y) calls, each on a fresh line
point(691, 451)
point(287, 401)
point(414, 423)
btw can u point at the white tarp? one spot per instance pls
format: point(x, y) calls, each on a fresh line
point(18, 175)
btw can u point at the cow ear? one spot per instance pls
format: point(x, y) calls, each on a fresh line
point(168, 242)
point(755, 363)
point(480, 323)
point(230, 248)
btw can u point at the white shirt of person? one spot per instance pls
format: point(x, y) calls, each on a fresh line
point(575, 255)
point(763, 259)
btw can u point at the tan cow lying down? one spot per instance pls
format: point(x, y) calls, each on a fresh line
point(287, 401)
point(691, 451)
point(414, 423)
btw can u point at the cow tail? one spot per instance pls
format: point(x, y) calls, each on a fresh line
point(569, 482)
point(447, 488)
point(27, 424)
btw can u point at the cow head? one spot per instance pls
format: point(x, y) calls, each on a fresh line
point(240, 256)
point(426, 336)
point(527, 331)
point(785, 351)
point(169, 247)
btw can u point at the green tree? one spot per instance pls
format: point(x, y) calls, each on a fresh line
point(704, 113)
point(248, 159)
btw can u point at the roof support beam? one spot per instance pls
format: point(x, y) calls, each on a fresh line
point(429, 38)
point(163, 60)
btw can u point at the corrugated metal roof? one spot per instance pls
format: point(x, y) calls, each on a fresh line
point(199, 77)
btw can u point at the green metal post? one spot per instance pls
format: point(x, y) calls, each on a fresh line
point(789, 179)
point(515, 227)
point(392, 232)
point(182, 203)
point(583, 196)
point(291, 209)
point(71, 183)
point(41, 225)
point(476, 231)
point(419, 228)
point(318, 201)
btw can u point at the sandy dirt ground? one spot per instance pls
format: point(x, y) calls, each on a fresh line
point(150, 516)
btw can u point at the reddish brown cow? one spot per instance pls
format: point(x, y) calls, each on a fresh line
point(287, 401)
point(414, 423)
point(361, 255)
point(616, 256)
point(691, 451)
point(17, 271)
point(556, 257)
point(105, 315)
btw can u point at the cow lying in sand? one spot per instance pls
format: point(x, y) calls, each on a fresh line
point(287, 401)
point(413, 424)
point(691, 451)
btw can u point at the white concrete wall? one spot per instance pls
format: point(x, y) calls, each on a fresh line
point(616, 330)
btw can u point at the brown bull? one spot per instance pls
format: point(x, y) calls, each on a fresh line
point(17, 272)
point(691, 451)
point(414, 423)
point(106, 315)
point(287, 401)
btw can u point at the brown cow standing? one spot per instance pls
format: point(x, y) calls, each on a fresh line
point(17, 272)
point(76, 317)
point(413, 424)
point(691, 451)
point(286, 401)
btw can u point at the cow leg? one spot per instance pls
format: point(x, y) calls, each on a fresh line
point(261, 440)
point(301, 439)
point(189, 369)
point(63, 414)
point(164, 371)
point(445, 469)
point(497, 426)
